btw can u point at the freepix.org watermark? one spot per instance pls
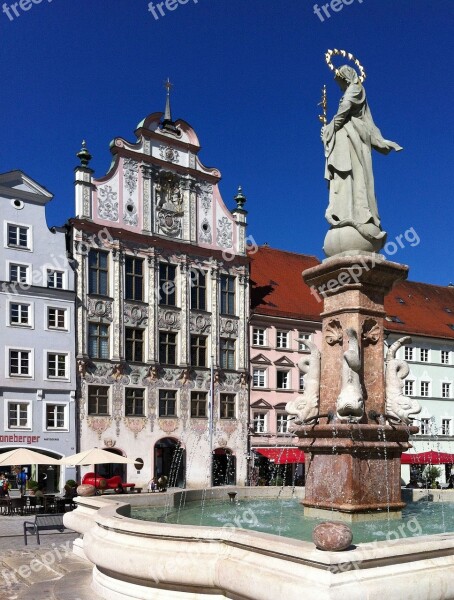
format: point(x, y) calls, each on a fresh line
point(15, 9)
point(324, 11)
point(160, 9)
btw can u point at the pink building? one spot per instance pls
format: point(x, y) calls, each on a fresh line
point(284, 314)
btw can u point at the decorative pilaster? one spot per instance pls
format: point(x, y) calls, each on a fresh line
point(184, 296)
point(83, 184)
point(117, 334)
point(243, 303)
point(147, 205)
point(214, 309)
point(81, 262)
point(152, 283)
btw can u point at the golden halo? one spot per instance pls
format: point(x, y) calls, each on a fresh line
point(330, 53)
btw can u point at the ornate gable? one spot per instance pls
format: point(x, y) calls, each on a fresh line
point(260, 359)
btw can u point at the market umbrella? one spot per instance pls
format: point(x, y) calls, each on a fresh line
point(95, 456)
point(23, 456)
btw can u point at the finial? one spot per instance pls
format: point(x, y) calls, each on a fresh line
point(84, 155)
point(167, 122)
point(240, 198)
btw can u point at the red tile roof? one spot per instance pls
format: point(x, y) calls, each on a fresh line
point(279, 290)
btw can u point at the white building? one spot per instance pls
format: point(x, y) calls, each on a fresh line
point(37, 362)
point(163, 295)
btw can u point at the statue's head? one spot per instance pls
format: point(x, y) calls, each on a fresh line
point(345, 76)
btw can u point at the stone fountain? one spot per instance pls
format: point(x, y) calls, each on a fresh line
point(353, 420)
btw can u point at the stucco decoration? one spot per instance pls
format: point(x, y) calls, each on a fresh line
point(135, 424)
point(109, 442)
point(306, 406)
point(199, 426)
point(224, 235)
point(205, 234)
point(99, 424)
point(334, 333)
point(371, 332)
point(169, 319)
point(222, 441)
point(206, 196)
point(229, 327)
point(107, 203)
point(169, 205)
point(168, 425)
point(229, 427)
point(169, 154)
point(199, 323)
point(399, 407)
point(130, 174)
point(101, 309)
point(350, 403)
point(135, 315)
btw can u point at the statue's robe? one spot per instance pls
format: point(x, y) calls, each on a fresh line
point(348, 141)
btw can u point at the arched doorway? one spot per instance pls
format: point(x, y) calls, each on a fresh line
point(224, 467)
point(108, 470)
point(170, 460)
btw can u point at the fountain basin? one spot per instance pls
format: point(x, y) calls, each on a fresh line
point(137, 559)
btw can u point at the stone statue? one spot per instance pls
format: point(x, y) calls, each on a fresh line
point(306, 406)
point(348, 141)
point(398, 406)
point(350, 403)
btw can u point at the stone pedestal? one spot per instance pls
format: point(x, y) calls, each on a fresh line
point(353, 468)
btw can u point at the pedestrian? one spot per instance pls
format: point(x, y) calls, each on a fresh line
point(22, 480)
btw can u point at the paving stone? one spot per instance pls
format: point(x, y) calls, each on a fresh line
point(30, 569)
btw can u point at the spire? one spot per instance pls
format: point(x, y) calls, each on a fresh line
point(84, 155)
point(167, 122)
point(240, 199)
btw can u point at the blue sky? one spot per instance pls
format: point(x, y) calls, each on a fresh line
point(247, 76)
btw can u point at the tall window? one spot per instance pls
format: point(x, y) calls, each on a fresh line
point(227, 406)
point(446, 427)
point(198, 405)
point(18, 237)
point(409, 388)
point(133, 344)
point(424, 427)
point(446, 390)
point(18, 273)
point(133, 278)
point(56, 318)
point(167, 403)
point(227, 353)
point(56, 366)
point(227, 295)
point(424, 354)
point(55, 416)
point(258, 336)
point(55, 279)
point(134, 402)
point(98, 400)
point(282, 423)
point(98, 272)
point(98, 340)
point(19, 314)
point(19, 415)
point(424, 388)
point(282, 339)
point(258, 377)
point(283, 380)
point(198, 351)
point(167, 348)
point(301, 381)
point(259, 422)
point(445, 357)
point(197, 279)
point(167, 286)
point(408, 353)
point(303, 337)
point(20, 363)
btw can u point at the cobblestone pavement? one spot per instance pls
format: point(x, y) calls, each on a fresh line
point(23, 566)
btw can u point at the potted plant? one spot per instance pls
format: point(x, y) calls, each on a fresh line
point(431, 474)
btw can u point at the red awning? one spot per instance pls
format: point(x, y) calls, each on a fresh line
point(427, 458)
point(282, 456)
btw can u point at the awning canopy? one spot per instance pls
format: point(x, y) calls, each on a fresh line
point(282, 456)
point(427, 458)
